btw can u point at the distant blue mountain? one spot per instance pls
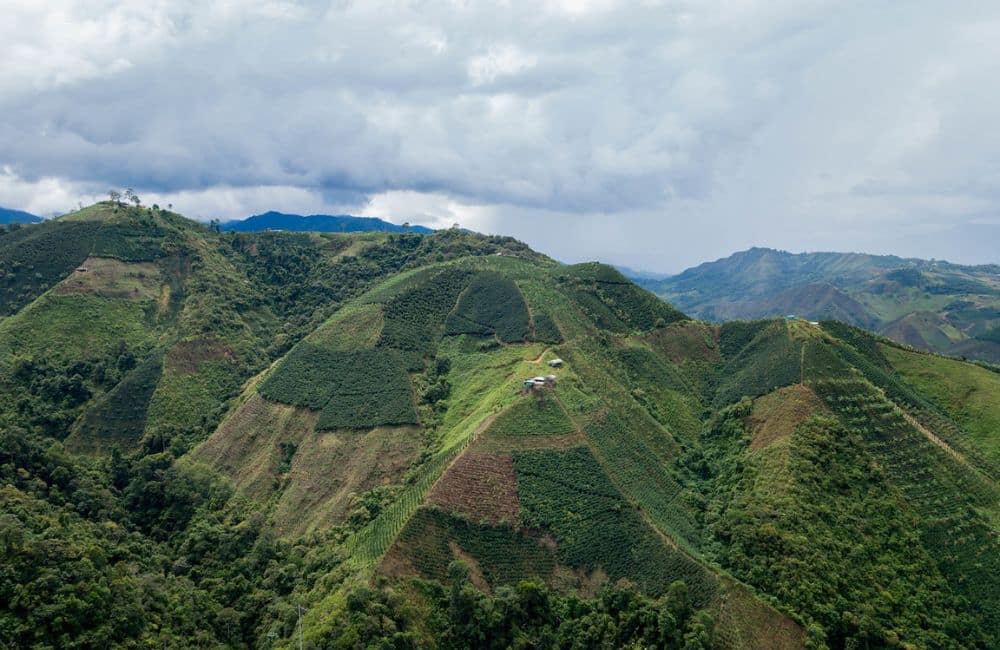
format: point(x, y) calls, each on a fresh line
point(317, 223)
point(17, 216)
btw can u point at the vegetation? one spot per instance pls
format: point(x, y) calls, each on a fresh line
point(532, 416)
point(206, 430)
point(353, 390)
point(796, 537)
point(929, 304)
point(491, 304)
point(567, 492)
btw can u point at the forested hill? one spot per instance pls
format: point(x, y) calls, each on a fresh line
point(931, 305)
point(205, 434)
point(317, 223)
point(17, 216)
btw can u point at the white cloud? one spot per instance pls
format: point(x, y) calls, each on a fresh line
point(653, 133)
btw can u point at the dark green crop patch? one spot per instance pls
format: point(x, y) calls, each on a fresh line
point(413, 319)
point(353, 390)
point(566, 492)
point(492, 304)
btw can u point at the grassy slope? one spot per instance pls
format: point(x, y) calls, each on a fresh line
point(968, 393)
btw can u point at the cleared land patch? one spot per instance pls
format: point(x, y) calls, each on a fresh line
point(776, 415)
point(187, 356)
point(968, 393)
point(532, 416)
point(112, 278)
point(480, 486)
point(246, 446)
point(328, 471)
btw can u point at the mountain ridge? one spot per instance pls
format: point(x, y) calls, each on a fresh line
point(929, 304)
point(221, 427)
point(8, 215)
point(273, 220)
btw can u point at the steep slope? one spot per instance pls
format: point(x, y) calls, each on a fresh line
point(341, 422)
point(317, 223)
point(498, 467)
point(931, 305)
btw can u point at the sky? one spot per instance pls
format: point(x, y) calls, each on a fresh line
point(655, 135)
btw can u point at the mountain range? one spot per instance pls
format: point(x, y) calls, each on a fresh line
point(928, 304)
point(333, 440)
point(17, 216)
point(317, 223)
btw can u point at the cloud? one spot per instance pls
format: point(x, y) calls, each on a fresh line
point(659, 133)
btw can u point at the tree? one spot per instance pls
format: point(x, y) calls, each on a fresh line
point(116, 197)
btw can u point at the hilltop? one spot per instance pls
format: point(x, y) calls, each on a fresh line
point(317, 223)
point(204, 431)
point(931, 305)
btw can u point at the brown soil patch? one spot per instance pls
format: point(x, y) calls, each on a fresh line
point(482, 486)
point(247, 445)
point(744, 622)
point(112, 278)
point(476, 576)
point(776, 415)
point(326, 472)
point(185, 357)
point(686, 341)
point(329, 470)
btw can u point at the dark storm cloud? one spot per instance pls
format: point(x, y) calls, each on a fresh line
point(654, 133)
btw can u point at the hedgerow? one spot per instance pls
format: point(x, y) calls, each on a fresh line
point(566, 492)
point(532, 417)
point(492, 304)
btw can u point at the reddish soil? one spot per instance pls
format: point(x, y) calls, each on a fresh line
point(481, 486)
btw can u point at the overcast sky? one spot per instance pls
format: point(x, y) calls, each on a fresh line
point(652, 134)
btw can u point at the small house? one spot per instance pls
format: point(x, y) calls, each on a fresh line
point(790, 317)
point(556, 363)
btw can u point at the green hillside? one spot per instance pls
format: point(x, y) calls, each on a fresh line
point(204, 432)
point(930, 305)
